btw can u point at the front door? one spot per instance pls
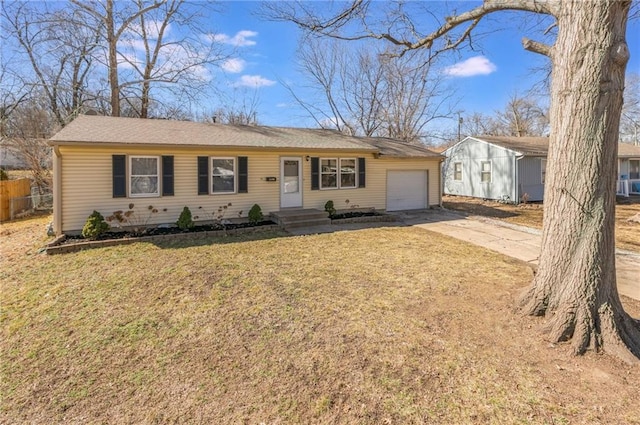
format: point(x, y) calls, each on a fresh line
point(290, 182)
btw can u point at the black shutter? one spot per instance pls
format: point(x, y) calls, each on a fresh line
point(243, 174)
point(167, 176)
point(203, 175)
point(315, 173)
point(119, 173)
point(361, 173)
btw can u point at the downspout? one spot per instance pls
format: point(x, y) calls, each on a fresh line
point(440, 181)
point(57, 190)
point(516, 160)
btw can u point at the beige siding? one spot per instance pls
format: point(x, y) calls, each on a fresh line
point(375, 193)
point(86, 184)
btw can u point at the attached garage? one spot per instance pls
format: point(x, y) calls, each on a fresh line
point(407, 190)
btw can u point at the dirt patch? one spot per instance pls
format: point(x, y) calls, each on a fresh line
point(531, 214)
point(385, 325)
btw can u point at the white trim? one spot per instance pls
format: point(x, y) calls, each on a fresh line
point(291, 199)
point(338, 173)
point(543, 170)
point(461, 171)
point(482, 172)
point(235, 175)
point(130, 177)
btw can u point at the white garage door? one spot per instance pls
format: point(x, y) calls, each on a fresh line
point(406, 190)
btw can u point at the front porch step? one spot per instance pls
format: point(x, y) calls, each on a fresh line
point(295, 218)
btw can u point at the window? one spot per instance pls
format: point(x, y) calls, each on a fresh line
point(144, 174)
point(457, 171)
point(347, 173)
point(223, 175)
point(338, 173)
point(543, 170)
point(634, 169)
point(485, 171)
point(328, 173)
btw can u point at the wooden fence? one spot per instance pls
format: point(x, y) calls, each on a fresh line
point(10, 189)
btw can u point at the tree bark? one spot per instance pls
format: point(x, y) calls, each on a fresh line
point(575, 285)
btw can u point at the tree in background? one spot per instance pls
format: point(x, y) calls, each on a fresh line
point(141, 56)
point(630, 119)
point(575, 285)
point(370, 92)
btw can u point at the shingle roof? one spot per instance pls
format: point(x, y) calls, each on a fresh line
point(524, 145)
point(97, 130)
point(627, 150)
point(539, 146)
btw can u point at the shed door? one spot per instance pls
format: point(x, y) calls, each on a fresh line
point(407, 190)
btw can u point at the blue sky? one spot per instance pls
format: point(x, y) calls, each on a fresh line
point(484, 80)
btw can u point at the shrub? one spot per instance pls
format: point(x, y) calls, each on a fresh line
point(95, 226)
point(328, 207)
point(255, 214)
point(3, 174)
point(185, 221)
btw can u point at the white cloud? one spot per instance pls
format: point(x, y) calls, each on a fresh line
point(477, 65)
point(240, 39)
point(234, 65)
point(253, 81)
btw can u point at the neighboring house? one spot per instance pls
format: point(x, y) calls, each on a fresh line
point(628, 169)
point(107, 163)
point(514, 168)
point(502, 168)
point(10, 158)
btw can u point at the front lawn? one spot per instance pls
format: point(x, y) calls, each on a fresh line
point(388, 325)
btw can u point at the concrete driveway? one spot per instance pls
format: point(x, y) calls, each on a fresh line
point(515, 241)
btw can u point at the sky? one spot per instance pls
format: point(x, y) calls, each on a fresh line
point(261, 62)
point(484, 80)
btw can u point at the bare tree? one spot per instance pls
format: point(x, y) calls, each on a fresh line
point(370, 92)
point(27, 128)
point(630, 119)
point(175, 65)
point(58, 49)
point(522, 117)
point(113, 22)
point(575, 286)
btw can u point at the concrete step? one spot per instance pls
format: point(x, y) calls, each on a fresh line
point(296, 218)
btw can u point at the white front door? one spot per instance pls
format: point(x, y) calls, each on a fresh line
point(290, 182)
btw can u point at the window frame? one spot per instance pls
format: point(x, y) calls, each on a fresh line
point(355, 173)
point(455, 171)
point(338, 173)
point(483, 172)
point(235, 175)
point(543, 170)
point(130, 177)
point(335, 173)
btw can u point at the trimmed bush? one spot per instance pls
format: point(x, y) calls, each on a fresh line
point(328, 207)
point(255, 214)
point(95, 226)
point(185, 221)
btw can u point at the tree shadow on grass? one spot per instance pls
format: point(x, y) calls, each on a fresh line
point(470, 208)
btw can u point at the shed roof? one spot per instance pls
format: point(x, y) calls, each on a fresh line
point(627, 150)
point(534, 146)
point(101, 130)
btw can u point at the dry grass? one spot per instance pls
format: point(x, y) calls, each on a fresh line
point(627, 233)
point(388, 325)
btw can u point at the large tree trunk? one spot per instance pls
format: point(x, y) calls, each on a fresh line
point(576, 281)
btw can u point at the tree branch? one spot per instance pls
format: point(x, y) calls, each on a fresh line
point(536, 47)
